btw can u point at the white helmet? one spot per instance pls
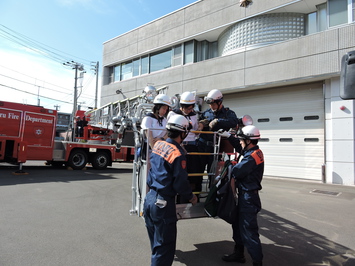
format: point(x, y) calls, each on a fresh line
point(150, 92)
point(214, 96)
point(162, 99)
point(249, 132)
point(187, 98)
point(178, 123)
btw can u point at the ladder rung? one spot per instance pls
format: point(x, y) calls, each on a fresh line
point(198, 174)
point(202, 153)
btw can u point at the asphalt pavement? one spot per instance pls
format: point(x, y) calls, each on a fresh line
point(56, 217)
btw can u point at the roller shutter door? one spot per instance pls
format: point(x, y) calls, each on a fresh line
point(291, 121)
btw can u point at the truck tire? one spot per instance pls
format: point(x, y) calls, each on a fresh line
point(100, 160)
point(77, 159)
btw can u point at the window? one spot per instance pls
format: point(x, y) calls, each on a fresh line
point(136, 67)
point(264, 139)
point(189, 52)
point(311, 140)
point(177, 55)
point(126, 70)
point(263, 120)
point(286, 140)
point(338, 12)
point(311, 117)
point(206, 50)
point(311, 23)
point(322, 17)
point(144, 65)
point(117, 73)
point(160, 61)
point(283, 119)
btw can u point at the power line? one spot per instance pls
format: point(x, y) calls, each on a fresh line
point(33, 84)
point(43, 87)
point(33, 78)
point(36, 46)
point(44, 50)
point(34, 94)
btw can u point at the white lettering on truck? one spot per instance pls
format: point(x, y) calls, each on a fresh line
point(39, 120)
point(9, 116)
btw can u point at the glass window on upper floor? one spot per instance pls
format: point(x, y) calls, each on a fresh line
point(126, 70)
point(330, 14)
point(160, 61)
point(116, 73)
point(180, 54)
point(189, 52)
point(322, 17)
point(338, 12)
point(144, 65)
point(177, 55)
point(311, 23)
point(206, 50)
point(136, 67)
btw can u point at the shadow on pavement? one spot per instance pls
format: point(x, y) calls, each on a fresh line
point(42, 174)
point(292, 246)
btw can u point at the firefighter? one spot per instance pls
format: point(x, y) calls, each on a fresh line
point(167, 178)
point(156, 120)
point(248, 174)
point(187, 104)
point(215, 118)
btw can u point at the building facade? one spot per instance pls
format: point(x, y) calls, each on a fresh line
point(278, 61)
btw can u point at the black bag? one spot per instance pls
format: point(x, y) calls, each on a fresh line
point(217, 194)
point(227, 207)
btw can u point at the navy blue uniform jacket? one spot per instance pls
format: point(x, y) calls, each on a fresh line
point(168, 175)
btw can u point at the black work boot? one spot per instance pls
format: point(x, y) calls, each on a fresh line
point(256, 263)
point(236, 256)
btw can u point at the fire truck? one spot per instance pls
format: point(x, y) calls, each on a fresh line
point(99, 137)
point(28, 132)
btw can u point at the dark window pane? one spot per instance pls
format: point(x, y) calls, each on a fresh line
point(160, 61)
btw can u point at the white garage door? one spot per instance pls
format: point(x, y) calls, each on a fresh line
point(291, 122)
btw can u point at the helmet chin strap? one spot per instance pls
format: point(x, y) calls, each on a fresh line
point(182, 136)
point(219, 103)
point(246, 145)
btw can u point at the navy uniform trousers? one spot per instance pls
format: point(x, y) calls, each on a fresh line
point(161, 227)
point(245, 229)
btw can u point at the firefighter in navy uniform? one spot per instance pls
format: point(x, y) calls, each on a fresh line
point(213, 119)
point(167, 178)
point(248, 174)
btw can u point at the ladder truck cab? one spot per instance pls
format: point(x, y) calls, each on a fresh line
point(28, 132)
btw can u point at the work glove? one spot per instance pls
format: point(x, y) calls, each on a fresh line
point(223, 133)
point(204, 122)
point(213, 123)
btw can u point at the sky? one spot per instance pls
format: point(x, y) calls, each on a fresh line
point(37, 37)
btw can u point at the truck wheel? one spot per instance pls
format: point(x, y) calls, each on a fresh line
point(77, 159)
point(100, 160)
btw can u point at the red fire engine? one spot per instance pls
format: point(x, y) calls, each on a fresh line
point(28, 132)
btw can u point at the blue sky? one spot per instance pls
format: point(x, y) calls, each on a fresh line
point(70, 29)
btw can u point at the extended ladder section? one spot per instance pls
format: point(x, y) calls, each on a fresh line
point(121, 113)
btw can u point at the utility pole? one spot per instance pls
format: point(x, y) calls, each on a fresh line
point(96, 71)
point(80, 67)
point(38, 100)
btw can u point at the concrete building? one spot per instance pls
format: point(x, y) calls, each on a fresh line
point(278, 61)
